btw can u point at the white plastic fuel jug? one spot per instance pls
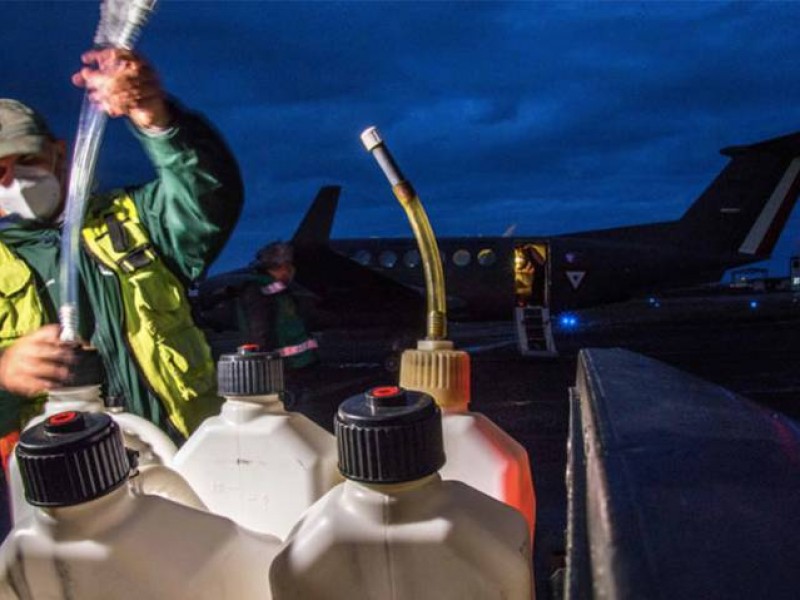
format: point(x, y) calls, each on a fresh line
point(255, 462)
point(479, 453)
point(154, 447)
point(92, 537)
point(394, 529)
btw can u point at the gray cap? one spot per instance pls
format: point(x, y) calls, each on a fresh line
point(22, 129)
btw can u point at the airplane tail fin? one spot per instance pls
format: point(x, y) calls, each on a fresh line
point(315, 229)
point(746, 207)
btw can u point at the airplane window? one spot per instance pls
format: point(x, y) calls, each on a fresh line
point(486, 257)
point(362, 257)
point(387, 259)
point(411, 259)
point(461, 258)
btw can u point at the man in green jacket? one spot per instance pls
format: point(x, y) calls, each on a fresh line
point(268, 314)
point(140, 247)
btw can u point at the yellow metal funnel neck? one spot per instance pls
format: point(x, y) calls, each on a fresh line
point(438, 370)
point(426, 240)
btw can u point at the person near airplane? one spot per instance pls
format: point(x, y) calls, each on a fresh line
point(268, 314)
point(141, 246)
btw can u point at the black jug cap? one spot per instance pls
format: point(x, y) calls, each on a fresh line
point(389, 435)
point(70, 458)
point(250, 372)
point(87, 370)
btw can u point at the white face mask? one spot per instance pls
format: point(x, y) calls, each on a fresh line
point(35, 193)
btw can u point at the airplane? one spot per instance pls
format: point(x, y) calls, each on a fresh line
point(353, 283)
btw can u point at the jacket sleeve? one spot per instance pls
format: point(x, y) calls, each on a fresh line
point(192, 206)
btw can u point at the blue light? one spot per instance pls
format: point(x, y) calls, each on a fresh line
point(568, 321)
point(753, 304)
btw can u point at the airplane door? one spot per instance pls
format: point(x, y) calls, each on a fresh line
point(531, 274)
point(532, 292)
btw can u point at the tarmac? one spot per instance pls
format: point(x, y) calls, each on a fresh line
point(745, 343)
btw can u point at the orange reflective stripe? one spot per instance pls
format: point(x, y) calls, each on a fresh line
point(7, 444)
point(298, 348)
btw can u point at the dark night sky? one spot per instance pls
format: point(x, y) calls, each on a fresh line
point(553, 116)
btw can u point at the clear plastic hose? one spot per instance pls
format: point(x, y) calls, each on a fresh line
point(120, 24)
point(90, 133)
point(426, 240)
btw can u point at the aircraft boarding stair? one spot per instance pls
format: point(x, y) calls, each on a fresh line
point(534, 331)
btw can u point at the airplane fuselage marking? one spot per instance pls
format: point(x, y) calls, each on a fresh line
point(762, 225)
point(575, 278)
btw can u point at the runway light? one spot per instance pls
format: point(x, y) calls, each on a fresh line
point(753, 304)
point(567, 321)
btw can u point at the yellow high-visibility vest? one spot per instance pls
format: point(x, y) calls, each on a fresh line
point(170, 351)
point(21, 310)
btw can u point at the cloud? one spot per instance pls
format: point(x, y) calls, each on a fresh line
point(552, 114)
